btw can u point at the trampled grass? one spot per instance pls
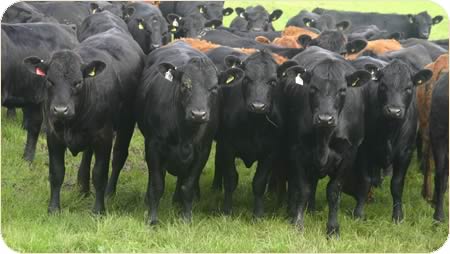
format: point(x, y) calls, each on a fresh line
point(27, 227)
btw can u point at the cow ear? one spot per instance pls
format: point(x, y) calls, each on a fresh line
point(411, 18)
point(232, 61)
point(421, 77)
point(281, 70)
point(275, 15)
point(395, 35)
point(299, 77)
point(355, 46)
point(168, 71)
point(309, 22)
point(437, 19)
point(92, 69)
point(231, 77)
point(262, 39)
point(304, 40)
point(128, 12)
point(240, 11)
point(358, 78)
point(343, 25)
point(373, 70)
point(213, 23)
point(227, 11)
point(201, 9)
point(173, 19)
point(94, 8)
point(36, 65)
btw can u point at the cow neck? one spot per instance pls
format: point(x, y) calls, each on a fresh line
point(322, 136)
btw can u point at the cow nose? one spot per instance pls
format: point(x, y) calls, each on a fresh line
point(156, 46)
point(394, 111)
point(198, 114)
point(61, 110)
point(258, 107)
point(257, 29)
point(325, 119)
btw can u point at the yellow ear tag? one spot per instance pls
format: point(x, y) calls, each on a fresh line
point(299, 80)
point(94, 11)
point(419, 82)
point(201, 10)
point(229, 80)
point(356, 82)
point(92, 73)
point(141, 26)
point(308, 23)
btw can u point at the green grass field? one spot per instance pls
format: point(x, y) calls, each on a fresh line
point(26, 226)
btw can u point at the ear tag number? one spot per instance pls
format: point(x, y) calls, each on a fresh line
point(298, 80)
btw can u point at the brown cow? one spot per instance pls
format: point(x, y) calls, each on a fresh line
point(289, 38)
point(357, 47)
point(204, 46)
point(423, 95)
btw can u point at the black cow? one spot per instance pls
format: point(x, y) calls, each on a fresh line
point(390, 130)
point(90, 91)
point(226, 38)
point(177, 112)
point(211, 10)
point(308, 19)
point(370, 33)
point(443, 43)
point(100, 22)
point(439, 143)
point(251, 122)
point(412, 26)
point(19, 87)
point(114, 7)
point(191, 26)
point(147, 25)
point(23, 12)
point(255, 19)
point(326, 127)
point(331, 39)
point(64, 12)
point(433, 49)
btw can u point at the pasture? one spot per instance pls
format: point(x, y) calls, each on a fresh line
point(26, 226)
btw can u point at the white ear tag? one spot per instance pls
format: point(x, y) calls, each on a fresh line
point(299, 80)
point(372, 73)
point(94, 11)
point(242, 15)
point(175, 23)
point(168, 76)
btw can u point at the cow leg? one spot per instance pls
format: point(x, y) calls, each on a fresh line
point(440, 179)
point(120, 154)
point(225, 163)
point(312, 196)
point(34, 121)
point(400, 165)
point(102, 151)
point(259, 185)
point(156, 182)
point(84, 171)
point(427, 192)
point(218, 178)
point(333, 196)
point(11, 113)
point(56, 151)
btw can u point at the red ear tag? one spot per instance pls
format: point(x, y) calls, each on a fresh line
point(40, 72)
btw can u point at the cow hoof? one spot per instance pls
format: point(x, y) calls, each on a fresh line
point(397, 218)
point(29, 157)
point(439, 218)
point(216, 187)
point(53, 210)
point(99, 211)
point(332, 231)
point(153, 222)
point(85, 193)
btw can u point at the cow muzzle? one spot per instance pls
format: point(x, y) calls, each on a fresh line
point(62, 112)
point(198, 116)
point(325, 120)
point(393, 112)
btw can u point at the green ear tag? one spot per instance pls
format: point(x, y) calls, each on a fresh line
point(141, 26)
point(229, 80)
point(92, 73)
point(356, 82)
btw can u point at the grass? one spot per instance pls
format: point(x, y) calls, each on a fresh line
point(26, 227)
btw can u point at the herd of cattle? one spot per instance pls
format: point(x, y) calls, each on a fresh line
point(342, 94)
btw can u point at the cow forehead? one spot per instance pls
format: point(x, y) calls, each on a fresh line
point(65, 65)
point(198, 73)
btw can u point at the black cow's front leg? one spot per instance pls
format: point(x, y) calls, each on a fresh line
point(333, 196)
point(400, 165)
point(156, 182)
point(120, 153)
point(217, 183)
point(33, 117)
point(259, 185)
point(312, 196)
point(56, 151)
point(84, 171)
point(102, 150)
point(225, 163)
point(11, 113)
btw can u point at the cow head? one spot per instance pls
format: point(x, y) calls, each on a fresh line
point(333, 40)
point(214, 10)
point(147, 30)
point(197, 83)
point(67, 78)
point(421, 24)
point(258, 19)
point(396, 87)
point(259, 80)
point(191, 26)
point(116, 8)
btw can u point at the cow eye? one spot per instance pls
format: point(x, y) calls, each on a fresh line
point(272, 83)
point(408, 90)
point(49, 83)
point(187, 85)
point(313, 89)
point(78, 85)
point(214, 89)
point(342, 91)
